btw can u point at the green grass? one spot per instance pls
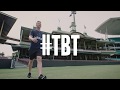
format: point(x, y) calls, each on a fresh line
point(68, 72)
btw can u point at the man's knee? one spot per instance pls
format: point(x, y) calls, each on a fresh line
point(30, 61)
point(39, 58)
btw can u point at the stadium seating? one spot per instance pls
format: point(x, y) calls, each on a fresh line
point(3, 58)
point(5, 63)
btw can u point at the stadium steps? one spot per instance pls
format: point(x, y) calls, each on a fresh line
point(19, 65)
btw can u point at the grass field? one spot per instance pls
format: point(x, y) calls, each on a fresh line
point(68, 72)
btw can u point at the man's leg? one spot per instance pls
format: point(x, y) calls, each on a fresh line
point(30, 64)
point(39, 65)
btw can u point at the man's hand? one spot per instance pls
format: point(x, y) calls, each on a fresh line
point(34, 40)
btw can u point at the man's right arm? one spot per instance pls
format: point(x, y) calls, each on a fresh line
point(31, 37)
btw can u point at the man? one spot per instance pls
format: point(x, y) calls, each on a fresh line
point(35, 50)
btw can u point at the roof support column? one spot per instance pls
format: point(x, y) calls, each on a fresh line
point(84, 45)
point(98, 58)
point(2, 27)
point(96, 46)
point(106, 35)
point(21, 34)
point(105, 47)
point(85, 57)
point(114, 46)
point(71, 56)
point(53, 57)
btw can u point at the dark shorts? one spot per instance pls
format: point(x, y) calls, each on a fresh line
point(35, 54)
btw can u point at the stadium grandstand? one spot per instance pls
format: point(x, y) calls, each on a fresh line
point(6, 23)
point(111, 27)
point(90, 50)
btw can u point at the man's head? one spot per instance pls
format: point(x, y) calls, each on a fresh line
point(38, 24)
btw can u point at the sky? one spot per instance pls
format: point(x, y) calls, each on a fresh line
point(52, 19)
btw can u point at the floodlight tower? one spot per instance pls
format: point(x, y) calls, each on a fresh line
point(73, 24)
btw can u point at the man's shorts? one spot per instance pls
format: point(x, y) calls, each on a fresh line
point(35, 54)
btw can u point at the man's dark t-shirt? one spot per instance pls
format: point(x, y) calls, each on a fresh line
point(35, 46)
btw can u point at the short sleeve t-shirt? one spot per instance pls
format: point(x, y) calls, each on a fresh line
point(35, 46)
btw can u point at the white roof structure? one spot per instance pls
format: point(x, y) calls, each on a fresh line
point(110, 27)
